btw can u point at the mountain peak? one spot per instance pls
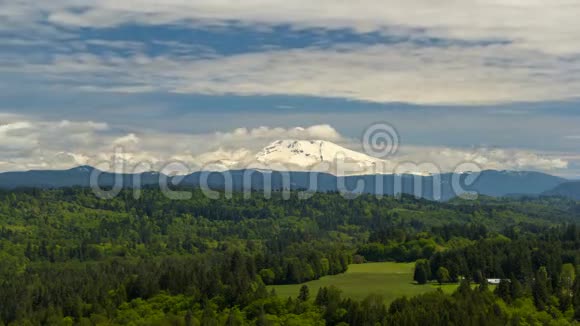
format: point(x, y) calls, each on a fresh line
point(83, 169)
point(304, 154)
point(292, 148)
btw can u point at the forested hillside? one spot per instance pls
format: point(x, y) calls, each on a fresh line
point(67, 257)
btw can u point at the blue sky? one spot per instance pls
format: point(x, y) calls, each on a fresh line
point(497, 80)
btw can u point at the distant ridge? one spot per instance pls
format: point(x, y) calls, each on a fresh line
point(489, 182)
point(570, 189)
point(79, 176)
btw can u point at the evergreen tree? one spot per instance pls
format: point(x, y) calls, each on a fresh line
point(188, 318)
point(443, 275)
point(422, 272)
point(540, 288)
point(304, 294)
point(478, 277)
point(322, 297)
point(504, 290)
point(516, 288)
point(209, 316)
point(576, 298)
point(483, 285)
point(235, 318)
point(464, 288)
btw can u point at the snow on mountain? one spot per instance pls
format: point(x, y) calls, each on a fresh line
point(305, 155)
point(319, 155)
point(82, 169)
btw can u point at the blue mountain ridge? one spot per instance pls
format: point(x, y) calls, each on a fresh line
point(435, 187)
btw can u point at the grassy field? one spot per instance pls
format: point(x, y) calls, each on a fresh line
point(390, 280)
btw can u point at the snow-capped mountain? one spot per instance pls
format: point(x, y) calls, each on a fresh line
point(297, 157)
point(320, 155)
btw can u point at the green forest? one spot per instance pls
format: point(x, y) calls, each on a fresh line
point(70, 258)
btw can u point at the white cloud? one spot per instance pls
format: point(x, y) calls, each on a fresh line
point(447, 159)
point(390, 73)
point(46, 144)
point(380, 73)
point(12, 140)
point(129, 140)
point(29, 144)
point(63, 144)
point(534, 53)
point(546, 26)
point(325, 132)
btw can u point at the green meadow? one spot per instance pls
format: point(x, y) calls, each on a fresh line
point(390, 280)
